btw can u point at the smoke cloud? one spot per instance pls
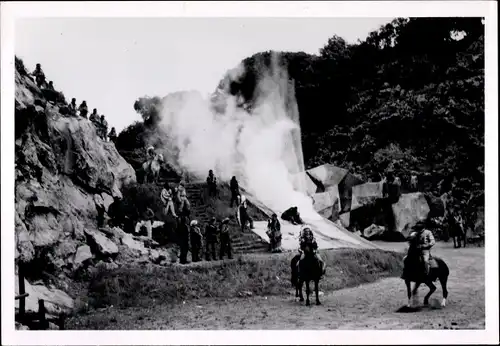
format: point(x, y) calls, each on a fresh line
point(262, 148)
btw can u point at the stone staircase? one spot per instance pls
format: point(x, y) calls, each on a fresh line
point(242, 242)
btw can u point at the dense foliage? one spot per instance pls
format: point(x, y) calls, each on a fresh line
point(410, 97)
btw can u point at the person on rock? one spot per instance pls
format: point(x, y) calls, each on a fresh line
point(235, 191)
point(425, 241)
point(167, 199)
point(292, 215)
point(413, 182)
point(391, 191)
point(225, 240)
point(274, 233)
point(115, 213)
point(101, 209)
point(307, 240)
point(183, 236)
point(83, 109)
point(104, 128)
point(51, 86)
point(242, 213)
point(112, 135)
point(184, 204)
point(211, 240)
point(212, 184)
point(196, 239)
point(72, 107)
point(147, 222)
point(39, 76)
point(94, 117)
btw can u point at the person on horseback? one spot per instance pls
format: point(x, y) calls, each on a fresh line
point(307, 239)
point(425, 241)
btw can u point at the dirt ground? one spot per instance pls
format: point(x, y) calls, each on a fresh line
point(370, 306)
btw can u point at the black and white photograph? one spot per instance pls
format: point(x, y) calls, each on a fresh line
point(258, 172)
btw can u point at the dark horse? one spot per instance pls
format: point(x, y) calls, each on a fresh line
point(307, 270)
point(414, 271)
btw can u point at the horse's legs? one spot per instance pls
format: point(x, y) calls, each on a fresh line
point(308, 292)
point(454, 241)
point(415, 289)
point(432, 288)
point(301, 296)
point(316, 290)
point(408, 290)
point(443, 280)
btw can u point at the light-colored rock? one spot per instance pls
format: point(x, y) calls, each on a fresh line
point(107, 265)
point(107, 200)
point(324, 202)
point(133, 244)
point(45, 230)
point(24, 248)
point(328, 174)
point(20, 326)
point(55, 301)
point(82, 254)
point(365, 194)
point(373, 230)
point(411, 208)
point(101, 243)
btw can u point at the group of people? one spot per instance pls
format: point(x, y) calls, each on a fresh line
point(82, 110)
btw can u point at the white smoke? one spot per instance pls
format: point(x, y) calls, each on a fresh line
point(262, 148)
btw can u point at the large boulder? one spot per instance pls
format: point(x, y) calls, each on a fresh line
point(100, 243)
point(411, 208)
point(83, 253)
point(55, 300)
point(327, 203)
point(365, 194)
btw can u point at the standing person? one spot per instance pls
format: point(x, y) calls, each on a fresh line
point(167, 199)
point(51, 86)
point(235, 191)
point(99, 205)
point(196, 241)
point(39, 76)
point(212, 184)
point(83, 109)
point(184, 205)
point(183, 236)
point(104, 128)
point(413, 182)
point(147, 222)
point(274, 233)
point(115, 213)
point(112, 135)
point(243, 216)
point(72, 107)
point(225, 240)
point(391, 192)
point(211, 239)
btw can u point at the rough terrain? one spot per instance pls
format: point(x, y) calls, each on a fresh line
point(369, 306)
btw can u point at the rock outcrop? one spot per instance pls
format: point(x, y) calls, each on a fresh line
point(60, 163)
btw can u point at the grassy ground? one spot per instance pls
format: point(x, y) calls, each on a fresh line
point(349, 302)
point(142, 287)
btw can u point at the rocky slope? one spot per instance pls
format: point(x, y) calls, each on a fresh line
point(60, 164)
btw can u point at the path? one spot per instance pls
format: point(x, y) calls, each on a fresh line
point(370, 306)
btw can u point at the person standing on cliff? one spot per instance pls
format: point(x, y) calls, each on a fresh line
point(83, 109)
point(39, 76)
point(104, 128)
point(235, 191)
point(112, 135)
point(99, 205)
point(72, 107)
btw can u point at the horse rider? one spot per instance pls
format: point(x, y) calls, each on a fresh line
point(167, 199)
point(274, 232)
point(307, 239)
point(225, 239)
point(211, 239)
point(196, 241)
point(425, 241)
point(242, 214)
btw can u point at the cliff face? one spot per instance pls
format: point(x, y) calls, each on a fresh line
point(60, 164)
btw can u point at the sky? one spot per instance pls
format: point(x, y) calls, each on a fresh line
point(111, 62)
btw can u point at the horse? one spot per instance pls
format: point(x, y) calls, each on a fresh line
point(306, 270)
point(414, 272)
point(152, 168)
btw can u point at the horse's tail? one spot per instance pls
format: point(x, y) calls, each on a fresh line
point(295, 270)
